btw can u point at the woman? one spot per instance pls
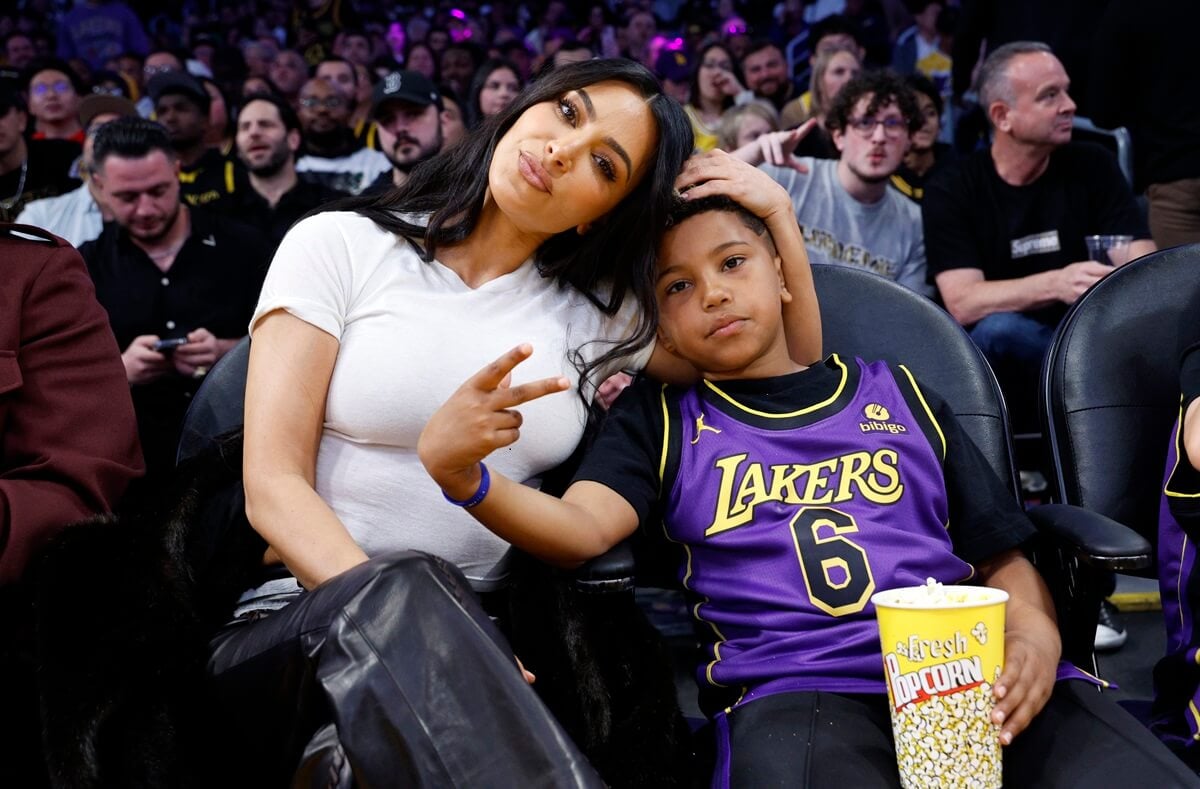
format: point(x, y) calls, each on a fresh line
point(220, 120)
point(538, 227)
point(497, 82)
point(714, 88)
point(833, 68)
point(600, 33)
point(420, 58)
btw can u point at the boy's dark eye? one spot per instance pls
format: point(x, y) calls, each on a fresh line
point(732, 262)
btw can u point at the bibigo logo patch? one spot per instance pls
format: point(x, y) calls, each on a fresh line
point(877, 411)
point(878, 420)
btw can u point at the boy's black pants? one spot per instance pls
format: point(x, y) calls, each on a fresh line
point(816, 739)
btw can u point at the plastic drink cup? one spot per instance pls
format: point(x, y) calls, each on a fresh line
point(943, 649)
point(1109, 250)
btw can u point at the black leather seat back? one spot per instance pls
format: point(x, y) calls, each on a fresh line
point(1110, 387)
point(217, 406)
point(866, 315)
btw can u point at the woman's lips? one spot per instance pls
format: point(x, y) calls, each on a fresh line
point(533, 172)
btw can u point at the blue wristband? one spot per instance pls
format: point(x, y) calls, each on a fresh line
point(485, 482)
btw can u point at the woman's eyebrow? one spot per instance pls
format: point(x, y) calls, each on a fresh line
point(590, 109)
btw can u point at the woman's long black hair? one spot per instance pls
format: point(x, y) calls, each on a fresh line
point(613, 260)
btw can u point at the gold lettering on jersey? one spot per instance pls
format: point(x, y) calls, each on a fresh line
point(752, 490)
point(202, 198)
point(783, 482)
point(728, 468)
point(853, 468)
point(886, 465)
point(874, 476)
point(818, 480)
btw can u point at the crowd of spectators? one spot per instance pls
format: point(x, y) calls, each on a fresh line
point(928, 141)
point(272, 108)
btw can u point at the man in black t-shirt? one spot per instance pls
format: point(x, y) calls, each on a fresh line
point(1004, 231)
point(268, 137)
point(207, 177)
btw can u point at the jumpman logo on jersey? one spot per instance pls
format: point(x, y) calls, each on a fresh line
point(701, 427)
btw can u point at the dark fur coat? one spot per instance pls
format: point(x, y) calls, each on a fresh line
point(125, 607)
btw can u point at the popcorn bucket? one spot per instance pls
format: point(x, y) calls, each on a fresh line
point(943, 648)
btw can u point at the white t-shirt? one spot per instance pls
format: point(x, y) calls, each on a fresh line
point(410, 334)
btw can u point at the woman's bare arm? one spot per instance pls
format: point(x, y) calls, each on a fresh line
point(291, 362)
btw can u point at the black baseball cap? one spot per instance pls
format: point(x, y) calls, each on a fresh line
point(411, 87)
point(179, 83)
point(673, 65)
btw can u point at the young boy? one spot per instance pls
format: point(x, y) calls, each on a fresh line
point(1175, 716)
point(795, 492)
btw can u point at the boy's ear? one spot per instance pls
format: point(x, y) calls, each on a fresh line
point(785, 295)
point(664, 339)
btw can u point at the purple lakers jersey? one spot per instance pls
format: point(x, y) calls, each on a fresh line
point(1175, 716)
point(790, 521)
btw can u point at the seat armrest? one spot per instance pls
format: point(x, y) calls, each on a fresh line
point(1092, 538)
point(611, 571)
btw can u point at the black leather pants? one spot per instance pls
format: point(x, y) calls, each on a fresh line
point(396, 664)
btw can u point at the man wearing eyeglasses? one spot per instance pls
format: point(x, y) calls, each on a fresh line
point(54, 92)
point(159, 61)
point(332, 156)
point(847, 212)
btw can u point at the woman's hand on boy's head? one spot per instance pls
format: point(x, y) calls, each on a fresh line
point(478, 419)
point(718, 173)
